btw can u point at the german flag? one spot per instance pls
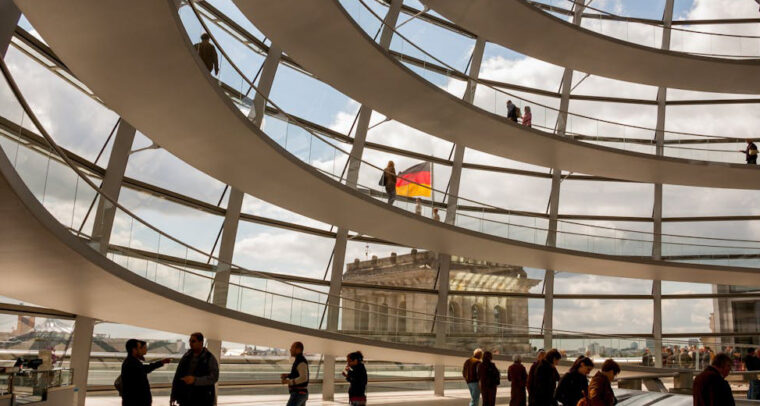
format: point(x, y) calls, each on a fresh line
point(414, 181)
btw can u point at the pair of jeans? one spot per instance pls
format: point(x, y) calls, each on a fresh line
point(474, 393)
point(298, 398)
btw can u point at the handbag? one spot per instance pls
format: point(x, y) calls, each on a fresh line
point(382, 180)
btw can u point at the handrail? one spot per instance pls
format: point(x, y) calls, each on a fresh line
point(57, 151)
point(443, 192)
point(517, 97)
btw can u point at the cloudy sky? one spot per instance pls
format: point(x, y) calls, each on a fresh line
point(82, 125)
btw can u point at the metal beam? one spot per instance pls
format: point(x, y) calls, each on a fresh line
point(9, 16)
point(112, 182)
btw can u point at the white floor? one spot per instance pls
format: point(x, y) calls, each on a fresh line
point(417, 398)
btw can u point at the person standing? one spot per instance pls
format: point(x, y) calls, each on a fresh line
point(135, 388)
point(489, 378)
point(196, 376)
point(574, 384)
point(356, 376)
point(647, 359)
point(517, 375)
point(600, 389)
point(511, 111)
point(750, 155)
point(470, 375)
point(418, 207)
point(684, 359)
point(532, 371)
point(544, 383)
point(436, 216)
point(527, 119)
point(207, 53)
point(298, 378)
point(752, 363)
point(389, 181)
point(710, 387)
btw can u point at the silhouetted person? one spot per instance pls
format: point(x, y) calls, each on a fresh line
point(207, 53)
point(197, 373)
point(511, 111)
point(518, 377)
point(298, 378)
point(750, 154)
point(600, 389)
point(489, 378)
point(135, 388)
point(710, 387)
point(532, 371)
point(647, 359)
point(356, 375)
point(574, 384)
point(470, 375)
point(544, 382)
point(389, 181)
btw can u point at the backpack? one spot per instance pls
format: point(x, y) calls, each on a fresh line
point(118, 385)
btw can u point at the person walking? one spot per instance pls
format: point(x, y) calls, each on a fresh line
point(356, 376)
point(389, 181)
point(489, 378)
point(196, 376)
point(511, 111)
point(207, 53)
point(470, 375)
point(750, 154)
point(710, 387)
point(544, 383)
point(527, 119)
point(600, 389)
point(574, 384)
point(135, 388)
point(298, 378)
point(518, 376)
point(418, 207)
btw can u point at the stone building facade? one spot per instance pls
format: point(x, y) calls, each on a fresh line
point(494, 322)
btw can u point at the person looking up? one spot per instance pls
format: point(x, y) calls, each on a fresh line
point(298, 378)
point(196, 376)
point(470, 375)
point(207, 53)
point(135, 388)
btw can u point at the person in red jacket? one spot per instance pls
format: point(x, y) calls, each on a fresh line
point(710, 388)
point(600, 389)
point(517, 375)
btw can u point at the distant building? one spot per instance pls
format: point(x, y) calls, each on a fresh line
point(734, 315)
point(490, 322)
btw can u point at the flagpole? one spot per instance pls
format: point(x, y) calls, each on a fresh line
point(432, 189)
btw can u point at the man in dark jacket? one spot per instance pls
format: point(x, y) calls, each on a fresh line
point(544, 383)
point(207, 53)
point(600, 388)
point(135, 389)
point(710, 387)
point(196, 376)
point(298, 378)
point(470, 375)
point(750, 154)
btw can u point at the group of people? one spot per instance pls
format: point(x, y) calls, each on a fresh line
point(194, 382)
point(697, 358)
point(541, 381)
point(545, 387)
point(514, 113)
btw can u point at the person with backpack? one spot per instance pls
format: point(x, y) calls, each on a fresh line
point(356, 376)
point(194, 382)
point(517, 375)
point(489, 379)
point(298, 378)
point(574, 384)
point(132, 384)
point(470, 375)
point(544, 383)
point(750, 153)
point(600, 389)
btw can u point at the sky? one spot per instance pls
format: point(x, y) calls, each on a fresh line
point(82, 125)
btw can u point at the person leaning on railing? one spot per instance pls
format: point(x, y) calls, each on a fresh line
point(600, 388)
point(710, 388)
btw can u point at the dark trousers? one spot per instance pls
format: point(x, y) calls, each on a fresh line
point(489, 396)
point(298, 398)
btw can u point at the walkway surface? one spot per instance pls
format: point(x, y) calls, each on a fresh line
point(524, 28)
point(323, 38)
point(157, 83)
